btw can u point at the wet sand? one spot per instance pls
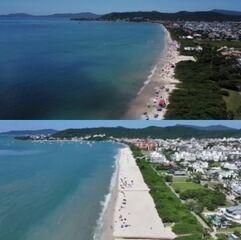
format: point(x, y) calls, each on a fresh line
point(108, 219)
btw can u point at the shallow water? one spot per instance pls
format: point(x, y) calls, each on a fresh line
point(53, 190)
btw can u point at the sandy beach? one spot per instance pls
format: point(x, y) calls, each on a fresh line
point(152, 100)
point(131, 213)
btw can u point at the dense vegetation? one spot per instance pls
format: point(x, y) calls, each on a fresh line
point(199, 94)
point(205, 198)
point(183, 16)
point(197, 97)
point(169, 207)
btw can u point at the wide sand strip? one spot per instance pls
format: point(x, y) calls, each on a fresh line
point(135, 215)
point(161, 84)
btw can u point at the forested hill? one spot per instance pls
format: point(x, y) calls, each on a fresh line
point(16, 16)
point(183, 16)
point(29, 132)
point(214, 15)
point(153, 132)
point(227, 12)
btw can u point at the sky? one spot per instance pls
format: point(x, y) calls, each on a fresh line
point(60, 125)
point(105, 6)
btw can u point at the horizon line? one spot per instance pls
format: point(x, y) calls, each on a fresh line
point(53, 13)
point(182, 125)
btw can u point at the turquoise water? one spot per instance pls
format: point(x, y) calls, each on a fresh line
point(53, 191)
point(69, 70)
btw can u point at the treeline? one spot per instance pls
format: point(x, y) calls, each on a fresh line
point(199, 94)
point(225, 71)
point(204, 198)
point(179, 16)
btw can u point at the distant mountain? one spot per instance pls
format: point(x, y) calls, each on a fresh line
point(182, 16)
point(227, 12)
point(86, 15)
point(213, 128)
point(30, 132)
point(177, 131)
point(13, 15)
point(214, 15)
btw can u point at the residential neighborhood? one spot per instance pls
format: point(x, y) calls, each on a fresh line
point(203, 165)
point(214, 30)
point(224, 35)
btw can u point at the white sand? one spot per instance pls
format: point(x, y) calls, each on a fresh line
point(161, 84)
point(135, 215)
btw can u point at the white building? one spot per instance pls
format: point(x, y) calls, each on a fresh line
point(233, 213)
point(157, 157)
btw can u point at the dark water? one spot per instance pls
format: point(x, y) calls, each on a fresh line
point(69, 70)
point(53, 191)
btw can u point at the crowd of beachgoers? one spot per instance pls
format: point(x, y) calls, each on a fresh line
point(164, 75)
point(152, 101)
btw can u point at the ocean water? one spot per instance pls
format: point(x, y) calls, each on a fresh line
point(53, 191)
point(62, 69)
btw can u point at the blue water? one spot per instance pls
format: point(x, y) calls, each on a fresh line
point(68, 70)
point(52, 191)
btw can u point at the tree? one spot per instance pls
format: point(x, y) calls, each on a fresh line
point(197, 178)
point(195, 206)
point(169, 178)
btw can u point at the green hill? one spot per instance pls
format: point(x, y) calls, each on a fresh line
point(177, 131)
point(182, 16)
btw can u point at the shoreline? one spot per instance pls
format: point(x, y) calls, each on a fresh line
point(131, 204)
point(104, 230)
point(153, 98)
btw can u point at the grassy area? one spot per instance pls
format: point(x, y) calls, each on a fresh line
point(169, 207)
point(228, 230)
point(233, 102)
point(214, 164)
point(163, 172)
point(179, 179)
point(219, 44)
point(183, 186)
